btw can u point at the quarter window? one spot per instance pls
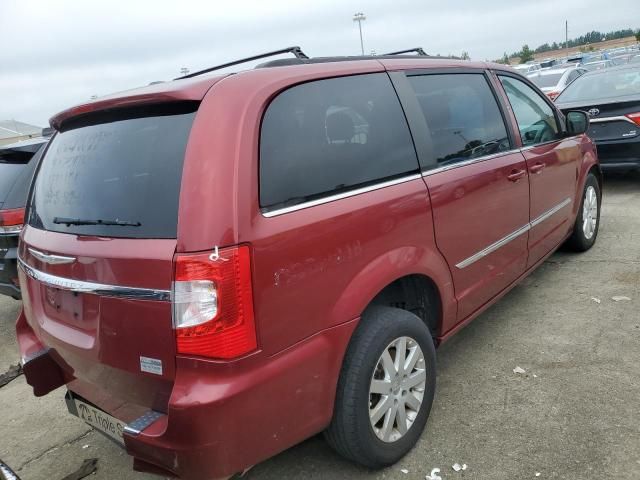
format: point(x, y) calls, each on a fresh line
point(536, 120)
point(462, 115)
point(330, 136)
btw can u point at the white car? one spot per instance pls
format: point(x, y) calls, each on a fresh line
point(527, 68)
point(554, 80)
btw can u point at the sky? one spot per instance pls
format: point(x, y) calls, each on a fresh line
point(56, 54)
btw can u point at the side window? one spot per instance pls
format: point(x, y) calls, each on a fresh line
point(462, 115)
point(329, 136)
point(536, 121)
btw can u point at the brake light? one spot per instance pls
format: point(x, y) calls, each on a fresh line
point(553, 95)
point(634, 117)
point(11, 221)
point(213, 304)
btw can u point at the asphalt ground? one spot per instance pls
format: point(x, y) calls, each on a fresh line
point(573, 414)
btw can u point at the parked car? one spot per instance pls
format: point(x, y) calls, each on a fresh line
point(612, 99)
point(553, 81)
point(17, 163)
point(548, 63)
point(234, 263)
point(527, 68)
point(598, 65)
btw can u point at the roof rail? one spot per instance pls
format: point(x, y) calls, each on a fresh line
point(417, 50)
point(297, 52)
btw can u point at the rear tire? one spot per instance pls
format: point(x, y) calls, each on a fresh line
point(585, 229)
point(385, 390)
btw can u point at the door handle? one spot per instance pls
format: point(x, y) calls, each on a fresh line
point(516, 175)
point(537, 168)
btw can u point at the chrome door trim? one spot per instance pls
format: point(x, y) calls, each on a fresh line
point(103, 290)
point(611, 119)
point(50, 259)
point(512, 236)
point(444, 168)
point(493, 247)
point(550, 212)
point(339, 196)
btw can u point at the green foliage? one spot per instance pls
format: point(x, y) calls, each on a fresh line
point(504, 59)
point(591, 37)
point(526, 55)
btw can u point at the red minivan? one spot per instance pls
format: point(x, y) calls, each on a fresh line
point(221, 266)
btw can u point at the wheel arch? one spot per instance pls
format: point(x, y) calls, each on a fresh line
point(414, 276)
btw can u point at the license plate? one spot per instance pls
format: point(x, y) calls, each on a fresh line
point(100, 420)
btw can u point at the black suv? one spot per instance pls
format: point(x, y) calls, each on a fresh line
point(17, 164)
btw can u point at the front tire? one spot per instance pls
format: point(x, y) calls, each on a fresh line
point(385, 390)
point(585, 230)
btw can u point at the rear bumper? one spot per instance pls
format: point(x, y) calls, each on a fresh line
point(619, 154)
point(222, 417)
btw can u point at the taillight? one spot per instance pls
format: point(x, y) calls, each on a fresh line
point(11, 221)
point(634, 117)
point(213, 303)
point(553, 95)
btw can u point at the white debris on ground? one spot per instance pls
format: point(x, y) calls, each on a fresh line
point(457, 467)
point(537, 474)
point(519, 370)
point(433, 475)
point(85, 446)
point(620, 298)
point(596, 299)
point(404, 470)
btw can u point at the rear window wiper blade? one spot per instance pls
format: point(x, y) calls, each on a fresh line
point(82, 221)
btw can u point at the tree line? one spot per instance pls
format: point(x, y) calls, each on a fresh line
point(526, 53)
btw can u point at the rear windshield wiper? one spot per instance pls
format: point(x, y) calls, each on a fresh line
point(82, 221)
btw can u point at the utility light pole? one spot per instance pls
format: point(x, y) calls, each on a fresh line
point(184, 71)
point(359, 17)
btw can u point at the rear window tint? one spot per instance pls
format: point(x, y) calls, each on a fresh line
point(125, 171)
point(330, 136)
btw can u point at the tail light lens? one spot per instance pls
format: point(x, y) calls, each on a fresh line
point(213, 304)
point(11, 221)
point(553, 95)
point(634, 117)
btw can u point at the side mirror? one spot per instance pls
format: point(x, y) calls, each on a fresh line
point(577, 122)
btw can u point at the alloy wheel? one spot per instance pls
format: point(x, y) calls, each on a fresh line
point(397, 389)
point(589, 212)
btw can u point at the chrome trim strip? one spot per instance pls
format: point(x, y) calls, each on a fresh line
point(50, 259)
point(512, 236)
point(493, 247)
point(444, 168)
point(619, 118)
point(79, 286)
point(139, 424)
point(340, 196)
point(549, 212)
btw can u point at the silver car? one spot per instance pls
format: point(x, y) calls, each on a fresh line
point(554, 80)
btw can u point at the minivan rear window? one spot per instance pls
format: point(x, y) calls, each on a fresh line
point(114, 177)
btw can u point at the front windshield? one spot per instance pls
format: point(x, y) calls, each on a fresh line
point(548, 80)
point(608, 84)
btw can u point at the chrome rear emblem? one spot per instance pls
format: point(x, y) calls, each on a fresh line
point(593, 112)
point(51, 259)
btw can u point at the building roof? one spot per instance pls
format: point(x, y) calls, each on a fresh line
point(13, 128)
